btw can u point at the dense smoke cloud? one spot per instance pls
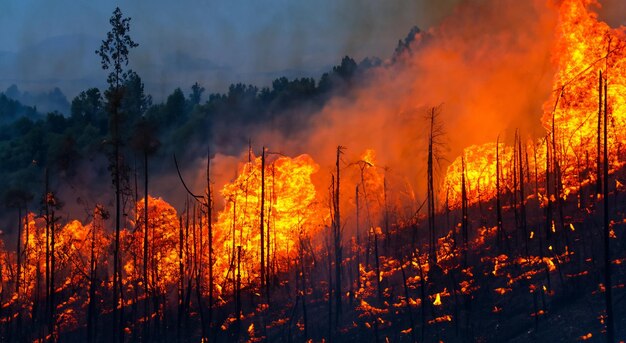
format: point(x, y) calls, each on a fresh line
point(486, 67)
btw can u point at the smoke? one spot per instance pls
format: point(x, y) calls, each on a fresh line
point(487, 69)
point(232, 41)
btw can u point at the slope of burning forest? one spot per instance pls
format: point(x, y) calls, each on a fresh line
point(521, 240)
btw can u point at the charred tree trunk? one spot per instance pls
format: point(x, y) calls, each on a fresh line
point(431, 195)
point(19, 268)
point(379, 287)
point(210, 233)
point(548, 197)
point(304, 291)
point(558, 183)
point(238, 290)
point(181, 281)
point(330, 292)
point(464, 223)
point(386, 216)
point(358, 241)
point(91, 312)
point(599, 140)
point(522, 196)
point(117, 280)
point(500, 233)
point(515, 175)
point(408, 304)
point(261, 224)
point(198, 271)
point(18, 250)
point(52, 305)
point(145, 247)
point(47, 210)
point(608, 284)
point(337, 241)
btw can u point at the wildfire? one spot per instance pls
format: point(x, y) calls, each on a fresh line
point(272, 209)
point(479, 166)
point(585, 47)
point(290, 212)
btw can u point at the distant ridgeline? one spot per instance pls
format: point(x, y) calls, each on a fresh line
point(44, 102)
point(11, 110)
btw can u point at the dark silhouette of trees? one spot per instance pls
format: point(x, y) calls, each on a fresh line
point(196, 94)
point(114, 57)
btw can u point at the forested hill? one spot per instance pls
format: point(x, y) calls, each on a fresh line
point(186, 122)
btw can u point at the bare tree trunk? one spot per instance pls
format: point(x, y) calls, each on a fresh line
point(261, 223)
point(522, 196)
point(116, 254)
point(430, 195)
point(379, 287)
point(608, 284)
point(599, 143)
point(500, 233)
point(47, 209)
point(304, 290)
point(549, 199)
point(515, 175)
point(338, 247)
point(18, 250)
point(330, 291)
point(145, 247)
point(198, 269)
point(91, 320)
point(19, 268)
point(181, 281)
point(386, 215)
point(464, 223)
point(52, 305)
point(238, 305)
point(408, 304)
point(358, 241)
point(210, 232)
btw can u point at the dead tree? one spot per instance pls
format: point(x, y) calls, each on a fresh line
point(522, 195)
point(19, 199)
point(337, 239)
point(547, 195)
point(181, 280)
point(209, 198)
point(500, 233)
point(261, 224)
point(430, 195)
point(51, 203)
point(608, 284)
point(435, 135)
point(99, 215)
point(464, 223)
point(358, 240)
point(599, 140)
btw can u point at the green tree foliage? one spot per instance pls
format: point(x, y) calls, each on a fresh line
point(30, 141)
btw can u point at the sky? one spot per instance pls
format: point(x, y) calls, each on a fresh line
point(214, 42)
point(46, 44)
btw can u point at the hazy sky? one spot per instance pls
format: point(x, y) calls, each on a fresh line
point(217, 42)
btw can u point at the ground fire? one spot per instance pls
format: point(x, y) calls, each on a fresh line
point(523, 239)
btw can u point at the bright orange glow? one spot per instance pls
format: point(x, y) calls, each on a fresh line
point(584, 48)
point(437, 301)
point(290, 212)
